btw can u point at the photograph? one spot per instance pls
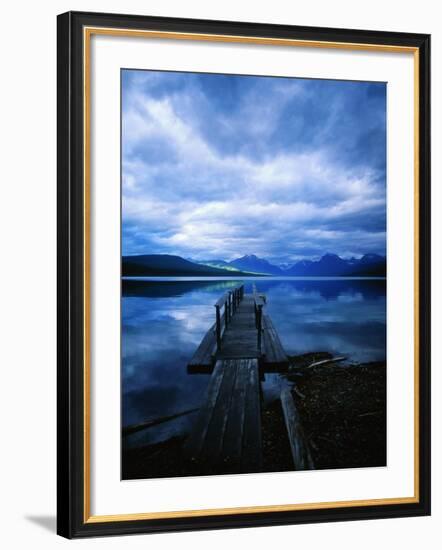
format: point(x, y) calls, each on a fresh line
point(243, 273)
point(253, 274)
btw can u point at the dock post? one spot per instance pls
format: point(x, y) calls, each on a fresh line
point(218, 328)
point(259, 326)
point(227, 309)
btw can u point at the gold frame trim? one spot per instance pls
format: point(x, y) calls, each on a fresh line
point(87, 34)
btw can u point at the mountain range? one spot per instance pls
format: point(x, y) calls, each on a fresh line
point(329, 265)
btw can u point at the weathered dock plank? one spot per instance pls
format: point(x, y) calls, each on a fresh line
point(274, 353)
point(212, 449)
point(302, 459)
point(203, 356)
point(251, 460)
point(233, 437)
point(197, 438)
point(227, 432)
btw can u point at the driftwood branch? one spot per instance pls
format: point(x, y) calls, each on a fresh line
point(127, 430)
point(298, 393)
point(326, 361)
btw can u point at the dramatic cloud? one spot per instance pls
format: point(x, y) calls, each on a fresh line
point(217, 166)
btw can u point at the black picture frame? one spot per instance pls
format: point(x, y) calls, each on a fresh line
point(72, 516)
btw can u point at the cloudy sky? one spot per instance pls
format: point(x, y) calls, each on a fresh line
point(218, 166)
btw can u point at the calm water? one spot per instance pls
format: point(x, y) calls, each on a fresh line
point(163, 322)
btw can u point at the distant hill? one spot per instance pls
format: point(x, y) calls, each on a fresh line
point(165, 265)
point(331, 265)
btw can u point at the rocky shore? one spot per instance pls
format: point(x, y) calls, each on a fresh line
point(342, 409)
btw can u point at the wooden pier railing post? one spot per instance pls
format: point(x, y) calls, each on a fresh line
point(259, 325)
point(258, 304)
point(218, 327)
point(227, 309)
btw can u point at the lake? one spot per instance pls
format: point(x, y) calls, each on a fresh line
point(164, 320)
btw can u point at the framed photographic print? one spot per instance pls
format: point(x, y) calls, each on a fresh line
point(243, 274)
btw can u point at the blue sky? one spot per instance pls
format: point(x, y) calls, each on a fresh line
point(218, 166)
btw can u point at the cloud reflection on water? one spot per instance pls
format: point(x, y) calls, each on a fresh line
point(162, 324)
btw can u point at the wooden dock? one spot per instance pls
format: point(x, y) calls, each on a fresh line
point(241, 330)
point(242, 342)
